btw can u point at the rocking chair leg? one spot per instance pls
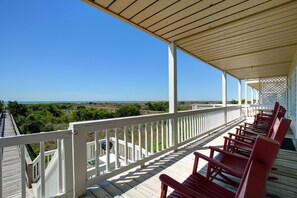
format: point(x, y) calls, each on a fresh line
point(269, 194)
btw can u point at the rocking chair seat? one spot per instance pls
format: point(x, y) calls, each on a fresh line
point(195, 181)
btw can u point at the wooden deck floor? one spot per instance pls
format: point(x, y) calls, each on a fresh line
point(11, 172)
point(145, 182)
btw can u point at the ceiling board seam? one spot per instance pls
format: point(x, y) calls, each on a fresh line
point(109, 4)
point(236, 48)
point(157, 12)
point(168, 38)
point(127, 7)
point(294, 44)
point(226, 24)
point(142, 10)
point(240, 34)
point(211, 5)
point(237, 42)
point(172, 15)
point(257, 66)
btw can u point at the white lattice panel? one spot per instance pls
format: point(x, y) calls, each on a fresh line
point(273, 89)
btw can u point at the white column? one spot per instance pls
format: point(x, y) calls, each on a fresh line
point(252, 95)
point(172, 71)
point(224, 93)
point(246, 99)
point(239, 92)
point(79, 157)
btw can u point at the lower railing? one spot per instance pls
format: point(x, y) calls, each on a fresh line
point(252, 110)
point(64, 179)
point(135, 141)
point(156, 134)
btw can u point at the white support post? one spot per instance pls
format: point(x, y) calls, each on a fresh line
point(60, 180)
point(252, 95)
point(42, 169)
point(239, 95)
point(239, 92)
point(23, 171)
point(224, 94)
point(257, 96)
point(68, 167)
point(80, 162)
point(246, 99)
point(172, 68)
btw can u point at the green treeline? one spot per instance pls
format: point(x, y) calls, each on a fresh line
point(35, 118)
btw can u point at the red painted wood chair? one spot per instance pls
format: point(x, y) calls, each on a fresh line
point(253, 131)
point(252, 185)
point(244, 144)
point(263, 123)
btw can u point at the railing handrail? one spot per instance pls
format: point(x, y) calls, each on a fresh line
point(97, 125)
point(33, 138)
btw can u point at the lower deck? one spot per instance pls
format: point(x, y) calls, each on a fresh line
point(144, 182)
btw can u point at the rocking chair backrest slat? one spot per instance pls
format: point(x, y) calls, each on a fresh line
point(258, 168)
point(280, 130)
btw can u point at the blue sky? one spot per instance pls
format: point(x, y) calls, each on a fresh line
point(67, 50)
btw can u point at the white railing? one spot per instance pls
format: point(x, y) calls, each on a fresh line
point(48, 155)
point(252, 110)
point(64, 179)
point(153, 133)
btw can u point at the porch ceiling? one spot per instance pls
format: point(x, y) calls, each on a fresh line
point(245, 38)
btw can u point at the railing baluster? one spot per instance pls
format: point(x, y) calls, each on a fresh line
point(116, 148)
point(139, 142)
point(167, 132)
point(107, 150)
point(152, 137)
point(126, 145)
point(184, 128)
point(133, 144)
point(178, 130)
point(162, 132)
point(97, 144)
point(187, 123)
point(157, 136)
point(23, 171)
point(60, 173)
point(146, 140)
point(42, 169)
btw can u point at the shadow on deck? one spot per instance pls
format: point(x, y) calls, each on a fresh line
point(144, 182)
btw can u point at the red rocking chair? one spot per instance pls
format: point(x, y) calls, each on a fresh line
point(253, 183)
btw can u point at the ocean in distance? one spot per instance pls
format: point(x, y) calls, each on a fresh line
point(74, 102)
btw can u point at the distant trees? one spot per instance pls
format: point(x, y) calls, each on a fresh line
point(128, 110)
point(157, 106)
point(83, 114)
point(16, 109)
point(48, 117)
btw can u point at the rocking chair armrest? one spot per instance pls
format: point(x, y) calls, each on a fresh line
point(258, 130)
point(239, 142)
point(246, 132)
point(241, 136)
point(212, 148)
point(182, 189)
point(213, 162)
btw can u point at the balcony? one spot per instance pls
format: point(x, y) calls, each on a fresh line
point(81, 166)
point(254, 41)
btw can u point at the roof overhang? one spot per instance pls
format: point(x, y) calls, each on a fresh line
point(247, 39)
